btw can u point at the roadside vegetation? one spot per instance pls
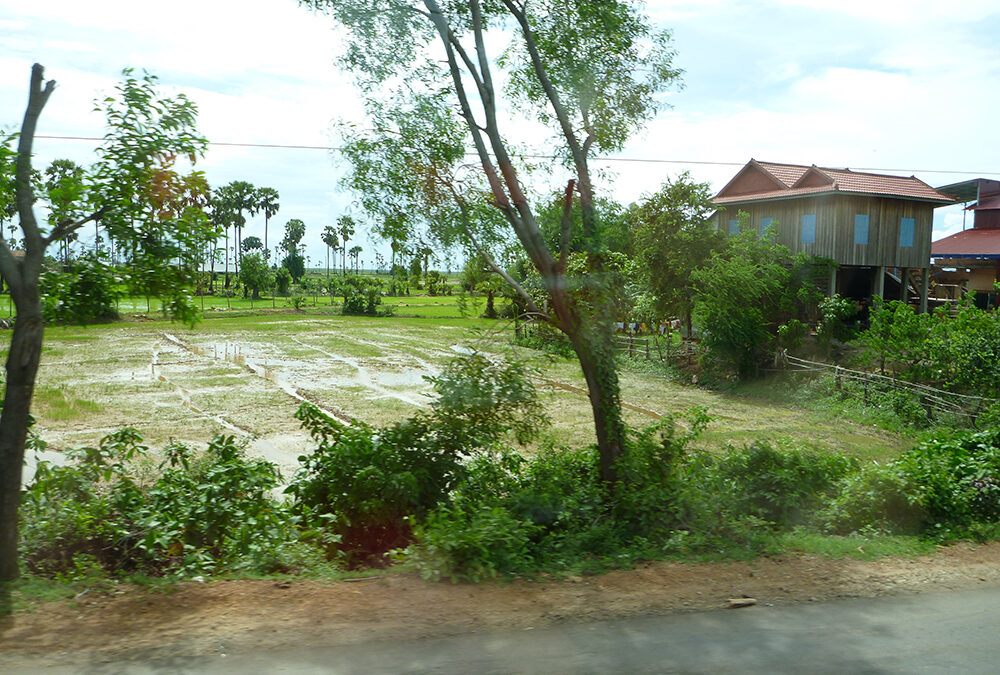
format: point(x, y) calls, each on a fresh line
point(705, 444)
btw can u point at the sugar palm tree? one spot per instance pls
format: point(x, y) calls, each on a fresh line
point(329, 237)
point(346, 229)
point(355, 252)
point(267, 203)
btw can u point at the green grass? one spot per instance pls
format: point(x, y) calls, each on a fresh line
point(861, 547)
point(55, 404)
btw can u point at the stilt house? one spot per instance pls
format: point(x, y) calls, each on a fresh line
point(876, 227)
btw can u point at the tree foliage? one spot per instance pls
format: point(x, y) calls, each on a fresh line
point(673, 238)
point(153, 212)
point(591, 69)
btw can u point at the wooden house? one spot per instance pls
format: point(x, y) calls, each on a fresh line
point(876, 227)
point(970, 259)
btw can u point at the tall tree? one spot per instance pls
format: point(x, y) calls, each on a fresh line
point(267, 203)
point(329, 238)
point(126, 188)
point(591, 69)
point(295, 230)
point(238, 197)
point(355, 253)
point(673, 238)
point(345, 226)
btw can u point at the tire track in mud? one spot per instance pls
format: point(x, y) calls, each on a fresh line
point(237, 357)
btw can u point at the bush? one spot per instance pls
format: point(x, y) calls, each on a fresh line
point(86, 292)
point(781, 486)
point(876, 498)
point(203, 516)
point(364, 483)
point(283, 281)
point(472, 544)
point(958, 479)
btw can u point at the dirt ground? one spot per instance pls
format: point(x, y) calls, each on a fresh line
point(251, 615)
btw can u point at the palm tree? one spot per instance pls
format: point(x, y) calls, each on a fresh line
point(267, 202)
point(355, 252)
point(239, 196)
point(329, 238)
point(346, 229)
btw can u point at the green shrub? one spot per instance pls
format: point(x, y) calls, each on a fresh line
point(86, 292)
point(369, 481)
point(778, 485)
point(207, 515)
point(958, 478)
point(472, 544)
point(876, 498)
point(283, 281)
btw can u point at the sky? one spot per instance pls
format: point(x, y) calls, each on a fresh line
point(910, 87)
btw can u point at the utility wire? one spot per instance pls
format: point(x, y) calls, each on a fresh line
point(625, 160)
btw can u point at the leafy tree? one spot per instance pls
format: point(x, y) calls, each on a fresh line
point(155, 215)
point(253, 244)
point(295, 264)
point(293, 261)
point(256, 273)
point(64, 190)
point(746, 291)
point(592, 70)
point(673, 237)
point(267, 203)
point(283, 280)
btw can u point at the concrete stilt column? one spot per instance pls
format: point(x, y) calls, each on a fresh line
point(904, 291)
point(925, 286)
point(879, 289)
point(832, 291)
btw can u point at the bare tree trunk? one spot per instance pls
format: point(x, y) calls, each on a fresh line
point(22, 367)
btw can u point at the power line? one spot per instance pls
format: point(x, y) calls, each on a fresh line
point(624, 160)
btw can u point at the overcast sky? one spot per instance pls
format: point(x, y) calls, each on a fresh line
point(897, 86)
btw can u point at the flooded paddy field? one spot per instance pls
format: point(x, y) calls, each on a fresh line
point(245, 376)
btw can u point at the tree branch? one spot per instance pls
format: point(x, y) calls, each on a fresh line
point(67, 227)
point(25, 196)
point(567, 223)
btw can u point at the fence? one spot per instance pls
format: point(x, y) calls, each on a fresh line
point(933, 400)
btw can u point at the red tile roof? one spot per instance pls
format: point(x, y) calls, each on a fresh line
point(976, 243)
point(841, 180)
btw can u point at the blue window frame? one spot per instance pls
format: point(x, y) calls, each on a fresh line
point(907, 226)
point(861, 229)
point(734, 227)
point(808, 228)
point(765, 223)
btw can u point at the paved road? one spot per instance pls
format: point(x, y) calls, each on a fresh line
point(934, 633)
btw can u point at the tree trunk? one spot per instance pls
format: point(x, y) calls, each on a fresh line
point(595, 352)
point(22, 367)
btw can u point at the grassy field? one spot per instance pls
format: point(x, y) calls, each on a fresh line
point(245, 374)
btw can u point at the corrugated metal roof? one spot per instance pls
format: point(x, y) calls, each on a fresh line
point(844, 180)
point(968, 244)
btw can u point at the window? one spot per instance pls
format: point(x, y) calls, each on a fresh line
point(906, 228)
point(861, 229)
point(809, 228)
point(765, 223)
point(734, 227)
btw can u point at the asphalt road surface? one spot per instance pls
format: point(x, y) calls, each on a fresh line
point(956, 632)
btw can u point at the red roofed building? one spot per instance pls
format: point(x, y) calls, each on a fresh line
point(971, 258)
point(873, 225)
